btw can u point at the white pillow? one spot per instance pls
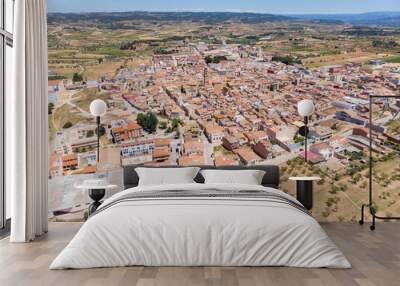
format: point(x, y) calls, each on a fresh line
point(247, 177)
point(166, 176)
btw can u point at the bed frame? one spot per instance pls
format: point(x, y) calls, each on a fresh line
point(271, 177)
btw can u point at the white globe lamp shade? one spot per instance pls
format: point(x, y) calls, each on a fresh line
point(98, 107)
point(306, 107)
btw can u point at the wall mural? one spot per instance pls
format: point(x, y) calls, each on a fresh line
point(222, 89)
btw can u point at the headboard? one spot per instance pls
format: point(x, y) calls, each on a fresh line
point(271, 177)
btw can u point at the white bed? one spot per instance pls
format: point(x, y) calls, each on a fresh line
point(201, 231)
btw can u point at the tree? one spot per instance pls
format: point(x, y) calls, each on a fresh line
point(225, 90)
point(342, 187)
point(336, 176)
point(67, 125)
point(102, 131)
point(50, 108)
point(152, 122)
point(163, 125)
point(175, 124)
point(90, 133)
point(141, 118)
point(364, 185)
point(77, 77)
point(299, 139)
point(386, 44)
point(148, 121)
point(288, 60)
point(214, 60)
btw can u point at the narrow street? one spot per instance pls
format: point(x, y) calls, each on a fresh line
point(208, 151)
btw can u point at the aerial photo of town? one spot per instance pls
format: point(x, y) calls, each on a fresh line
point(222, 89)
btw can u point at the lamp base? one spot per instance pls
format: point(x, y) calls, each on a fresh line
point(96, 195)
point(304, 193)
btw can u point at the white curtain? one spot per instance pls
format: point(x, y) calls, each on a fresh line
point(26, 147)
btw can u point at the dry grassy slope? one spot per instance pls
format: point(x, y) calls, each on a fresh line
point(70, 50)
point(83, 98)
point(340, 200)
point(64, 114)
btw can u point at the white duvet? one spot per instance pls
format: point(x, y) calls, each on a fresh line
point(200, 232)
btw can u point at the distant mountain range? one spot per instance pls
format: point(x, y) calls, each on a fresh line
point(372, 18)
point(210, 17)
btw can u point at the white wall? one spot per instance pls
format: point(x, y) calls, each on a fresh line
point(8, 85)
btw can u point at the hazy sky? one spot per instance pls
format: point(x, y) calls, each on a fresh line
point(262, 6)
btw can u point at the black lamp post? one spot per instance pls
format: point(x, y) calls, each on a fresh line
point(98, 108)
point(305, 108)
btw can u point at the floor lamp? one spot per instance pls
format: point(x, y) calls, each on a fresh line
point(98, 108)
point(370, 204)
point(305, 108)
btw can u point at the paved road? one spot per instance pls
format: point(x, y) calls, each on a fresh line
point(208, 151)
point(175, 144)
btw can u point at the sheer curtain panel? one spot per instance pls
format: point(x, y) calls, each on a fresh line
point(27, 148)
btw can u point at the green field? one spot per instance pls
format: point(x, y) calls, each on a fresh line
point(394, 59)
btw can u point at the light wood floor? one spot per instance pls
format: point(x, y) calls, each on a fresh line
point(375, 257)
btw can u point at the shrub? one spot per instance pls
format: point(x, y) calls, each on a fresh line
point(326, 213)
point(215, 59)
point(102, 131)
point(77, 77)
point(50, 108)
point(67, 125)
point(90, 133)
point(288, 60)
point(163, 125)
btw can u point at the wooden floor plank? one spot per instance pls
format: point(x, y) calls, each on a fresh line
point(375, 257)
